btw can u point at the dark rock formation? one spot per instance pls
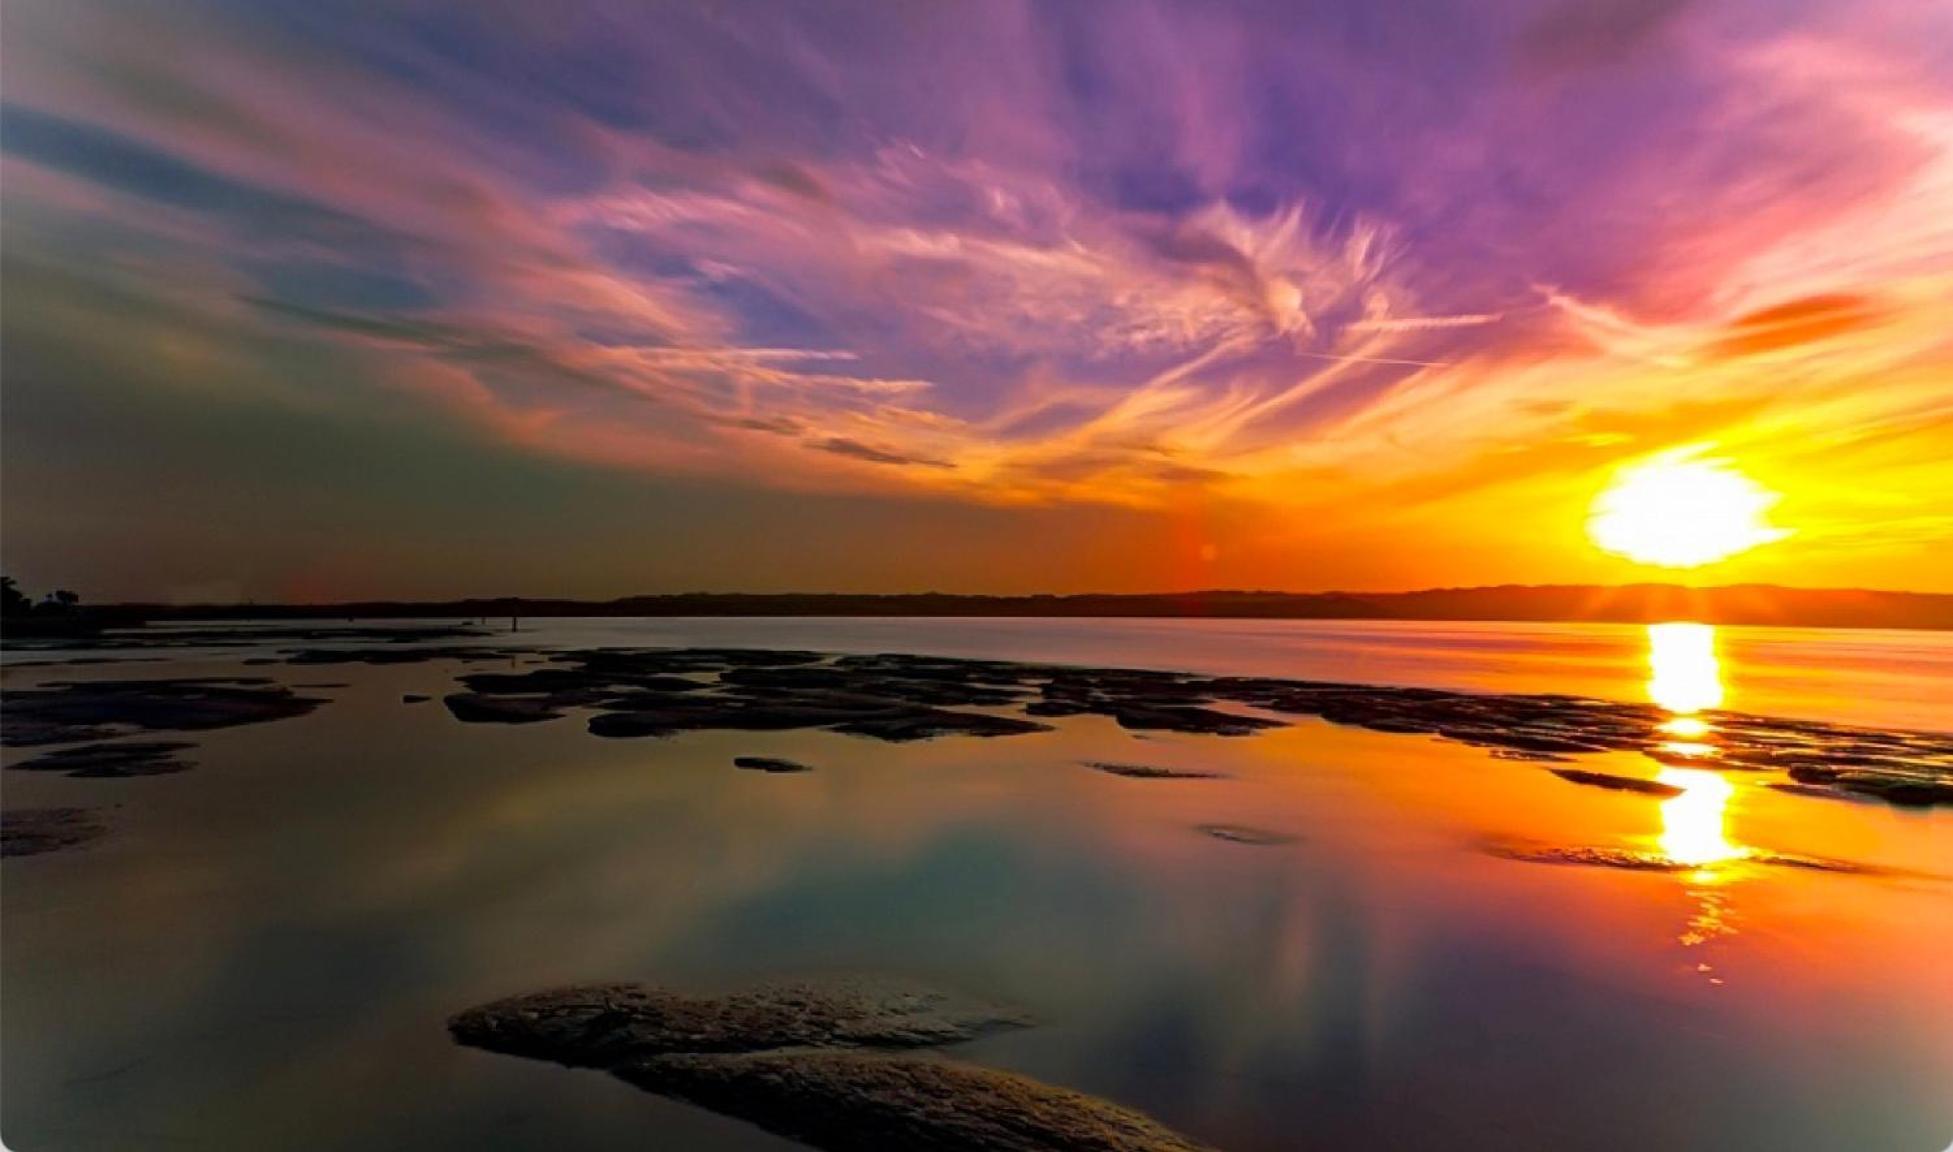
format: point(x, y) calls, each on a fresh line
point(1242, 834)
point(72, 711)
point(1635, 860)
point(474, 708)
point(891, 696)
point(127, 758)
point(1148, 771)
point(834, 1066)
point(769, 764)
point(32, 831)
point(847, 1101)
point(1618, 783)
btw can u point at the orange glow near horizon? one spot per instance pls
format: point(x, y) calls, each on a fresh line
point(1681, 510)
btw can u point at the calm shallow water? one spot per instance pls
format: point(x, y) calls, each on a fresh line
point(263, 950)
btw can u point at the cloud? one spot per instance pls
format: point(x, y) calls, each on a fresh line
point(842, 446)
point(1308, 257)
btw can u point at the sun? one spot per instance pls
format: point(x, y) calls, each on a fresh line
point(1682, 509)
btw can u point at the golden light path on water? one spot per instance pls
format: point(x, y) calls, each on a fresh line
point(1685, 678)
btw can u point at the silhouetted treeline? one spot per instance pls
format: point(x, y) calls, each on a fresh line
point(1635, 603)
point(59, 613)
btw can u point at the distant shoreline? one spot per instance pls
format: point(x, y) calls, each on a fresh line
point(1751, 604)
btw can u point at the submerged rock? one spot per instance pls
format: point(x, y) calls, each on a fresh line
point(772, 764)
point(32, 831)
point(128, 758)
point(836, 1066)
point(1618, 783)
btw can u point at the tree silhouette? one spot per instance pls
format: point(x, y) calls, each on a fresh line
point(13, 602)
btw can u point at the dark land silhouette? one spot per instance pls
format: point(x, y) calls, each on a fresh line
point(1760, 604)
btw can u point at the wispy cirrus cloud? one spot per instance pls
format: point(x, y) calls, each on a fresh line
point(1016, 255)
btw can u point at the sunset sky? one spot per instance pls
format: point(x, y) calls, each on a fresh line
point(306, 300)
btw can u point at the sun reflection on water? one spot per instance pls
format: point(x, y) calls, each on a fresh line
point(1694, 825)
point(1685, 678)
point(1684, 675)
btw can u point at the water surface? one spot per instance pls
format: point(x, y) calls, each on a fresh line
point(263, 950)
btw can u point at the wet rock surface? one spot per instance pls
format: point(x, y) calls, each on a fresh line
point(32, 831)
point(774, 764)
point(656, 692)
point(1243, 834)
point(1640, 860)
point(111, 760)
point(838, 1066)
point(662, 692)
point(866, 1102)
point(1149, 771)
point(69, 712)
point(1618, 783)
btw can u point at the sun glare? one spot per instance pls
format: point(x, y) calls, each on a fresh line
point(1680, 510)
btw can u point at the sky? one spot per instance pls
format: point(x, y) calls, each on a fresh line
point(316, 301)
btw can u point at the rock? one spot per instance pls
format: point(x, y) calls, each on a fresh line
point(128, 758)
point(599, 1025)
point(769, 764)
point(1625, 858)
point(473, 708)
point(928, 723)
point(1618, 783)
point(835, 1066)
point(1634, 860)
point(32, 831)
point(1186, 718)
point(73, 711)
point(414, 698)
point(897, 697)
point(1242, 834)
point(1149, 772)
point(849, 1101)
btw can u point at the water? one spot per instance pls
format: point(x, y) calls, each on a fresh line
point(262, 951)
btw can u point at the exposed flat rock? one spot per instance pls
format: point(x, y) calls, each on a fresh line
point(1618, 783)
point(1243, 834)
point(32, 831)
point(1901, 786)
point(72, 711)
point(1149, 771)
point(474, 708)
point(853, 1101)
point(598, 1025)
point(1637, 860)
point(834, 1065)
point(774, 764)
point(638, 692)
point(1188, 718)
point(104, 761)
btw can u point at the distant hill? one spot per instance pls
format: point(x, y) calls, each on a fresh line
point(1632, 603)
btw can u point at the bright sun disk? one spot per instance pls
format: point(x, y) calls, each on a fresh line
point(1681, 510)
